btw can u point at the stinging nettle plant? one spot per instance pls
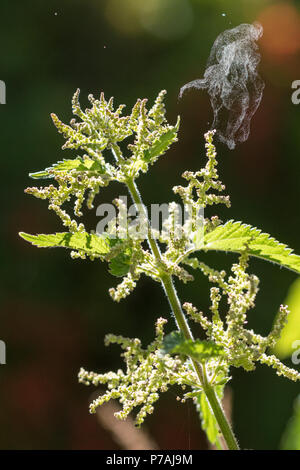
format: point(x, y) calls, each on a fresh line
point(200, 367)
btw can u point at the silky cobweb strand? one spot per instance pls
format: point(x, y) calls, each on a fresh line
point(233, 83)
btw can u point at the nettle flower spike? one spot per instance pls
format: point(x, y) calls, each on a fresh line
point(203, 181)
point(148, 373)
point(99, 127)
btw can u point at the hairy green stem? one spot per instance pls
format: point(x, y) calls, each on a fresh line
point(168, 285)
point(138, 201)
point(221, 418)
point(209, 391)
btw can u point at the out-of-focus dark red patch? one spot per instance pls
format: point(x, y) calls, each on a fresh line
point(85, 432)
point(32, 395)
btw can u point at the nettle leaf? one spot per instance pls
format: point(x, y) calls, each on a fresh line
point(78, 164)
point(162, 144)
point(235, 237)
point(120, 265)
point(171, 341)
point(175, 343)
point(208, 421)
point(90, 243)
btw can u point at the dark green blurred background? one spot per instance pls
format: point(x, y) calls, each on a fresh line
point(55, 311)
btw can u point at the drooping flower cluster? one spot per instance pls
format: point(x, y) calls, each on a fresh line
point(148, 373)
point(243, 347)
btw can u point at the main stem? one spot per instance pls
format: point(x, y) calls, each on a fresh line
point(209, 391)
point(167, 283)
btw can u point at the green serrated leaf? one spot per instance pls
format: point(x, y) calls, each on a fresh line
point(174, 343)
point(235, 236)
point(90, 243)
point(78, 164)
point(208, 420)
point(291, 332)
point(120, 265)
point(162, 144)
point(171, 341)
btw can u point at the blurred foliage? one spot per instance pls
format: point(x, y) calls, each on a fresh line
point(291, 436)
point(53, 328)
point(291, 332)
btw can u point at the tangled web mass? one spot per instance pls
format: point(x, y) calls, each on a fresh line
point(233, 83)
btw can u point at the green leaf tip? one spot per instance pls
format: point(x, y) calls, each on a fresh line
point(208, 420)
point(162, 144)
point(236, 237)
point(78, 164)
point(89, 243)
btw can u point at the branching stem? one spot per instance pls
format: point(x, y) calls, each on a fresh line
point(170, 291)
